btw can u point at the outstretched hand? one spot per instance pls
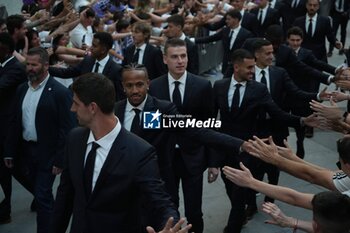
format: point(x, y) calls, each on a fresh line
point(169, 228)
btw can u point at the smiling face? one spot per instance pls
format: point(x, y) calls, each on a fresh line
point(264, 56)
point(176, 59)
point(244, 71)
point(135, 83)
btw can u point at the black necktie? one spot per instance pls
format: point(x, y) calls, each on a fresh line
point(236, 97)
point(135, 58)
point(135, 125)
point(177, 95)
point(230, 37)
point(97, 65)
point(263, 78)
point(260, 17)
point(309, 29)
point(89, 168)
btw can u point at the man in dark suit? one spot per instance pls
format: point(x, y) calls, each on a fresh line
point(144, 53)
point(232, 36)
point(99, 62)
point(175, 30)
point(192, 95)
point(316, 29)
point(12, 74)
point(266, 16)
point(240, 100)
point(279, 85)
point(340, 12)
point(248, 21)
point(290, 10)
point(294, 39)
point(38, 131)
point(104, 194)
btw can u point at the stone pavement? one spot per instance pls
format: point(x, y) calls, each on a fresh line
point(321, 150)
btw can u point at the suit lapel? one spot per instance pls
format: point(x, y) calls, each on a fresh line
point(121, 111)
point(188, 90)
point(272, 87)
point(108, 67)
point(226, 89)
point(164, 88)
point(115, 154)
point(248, 92)
point(79, 152)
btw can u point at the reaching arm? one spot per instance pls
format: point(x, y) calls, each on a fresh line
point(245, 178)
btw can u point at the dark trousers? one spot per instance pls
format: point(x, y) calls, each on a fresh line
point(192, 187)
point(339, 19)
point(42, 181)
point(238, 196)
point(6, 185)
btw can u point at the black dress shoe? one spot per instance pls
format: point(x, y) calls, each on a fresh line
point(250, 211)
point(5, 219)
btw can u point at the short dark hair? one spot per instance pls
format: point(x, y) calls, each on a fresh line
point(105, 39)
point(135, 66)
point(239, 55)
point(275, 34)
point(13, 22)
point(30, 34)
point(295, 31)
point(94, 87)
point(174, 42)
point(89, 12)
point(144, 28)
point(7, 40)
point(259, 43)
point(177, 20)
point(44, 56)
point(331, 211)
point(343, 146)
point(234, 13)
point(122, 24)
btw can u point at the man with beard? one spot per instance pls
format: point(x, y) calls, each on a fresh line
point(38, 130)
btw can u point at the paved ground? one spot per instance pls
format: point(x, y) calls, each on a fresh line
point(320, 150)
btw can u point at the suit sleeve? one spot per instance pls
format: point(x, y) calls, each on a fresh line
point(63, 206)
point(70, 72)
point(294, 65)
point(276, 112)
point(312, 61)
point(152, 186)
point(204, 40)
point(293, 90)
point(66, 123)
point(10, 79)
point(216, 26)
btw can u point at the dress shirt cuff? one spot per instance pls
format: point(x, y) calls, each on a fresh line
point(318, 97)
point(302, 123)
point(330, 79)
point(192, 39)
point(8, 158)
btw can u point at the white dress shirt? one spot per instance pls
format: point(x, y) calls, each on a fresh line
point(105, 144)
point(182, 84)
point(232, 89)
point(234, 35)
point(76, 36)
point(102, 63)
point(258, 76)
point(264, 12)
point(29, 106)
point(314, 22)
point(129, 113)
point(141, 53)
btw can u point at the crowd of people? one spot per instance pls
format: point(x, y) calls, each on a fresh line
point(78, 77)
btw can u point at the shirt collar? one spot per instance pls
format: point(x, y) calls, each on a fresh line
point(313, 18)
point(106, 140)
point(182, 79)
point(103, 61)
point(265, 8)
point(41, 85)
point(129, 107)
point(142, 47)
point(182, 37)
point(5, 62)
point(258, 70)
point(234, 82)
